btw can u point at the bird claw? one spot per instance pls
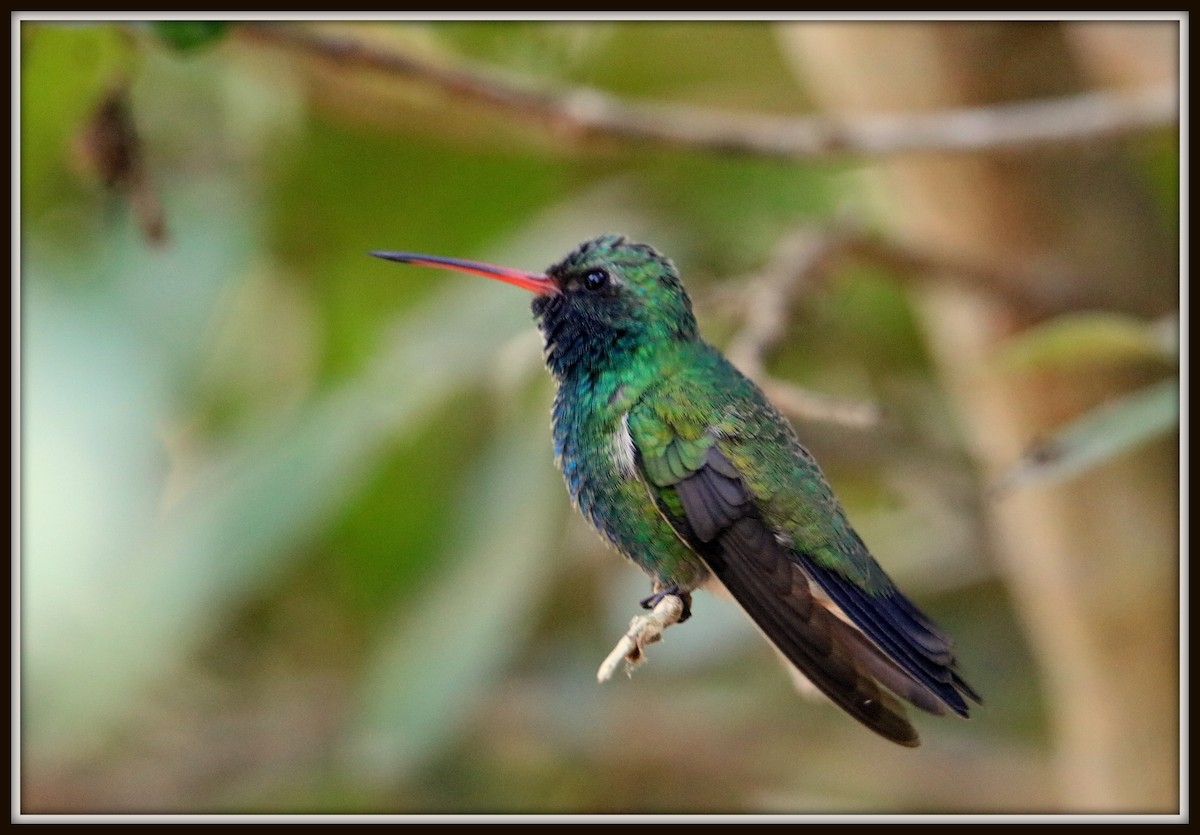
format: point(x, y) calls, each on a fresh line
point(672, 591)
point(669, 608)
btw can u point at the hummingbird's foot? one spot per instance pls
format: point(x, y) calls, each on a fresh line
point(671, 591)
point(643, 630)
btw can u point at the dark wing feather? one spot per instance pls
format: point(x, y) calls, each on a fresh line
point(719, 520)
point(892, 621)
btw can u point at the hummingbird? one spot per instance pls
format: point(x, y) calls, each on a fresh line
point(685, 466)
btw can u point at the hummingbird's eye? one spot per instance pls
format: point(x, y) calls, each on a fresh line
point(596, 279)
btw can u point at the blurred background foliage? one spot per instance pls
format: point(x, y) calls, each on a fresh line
point(291, 536)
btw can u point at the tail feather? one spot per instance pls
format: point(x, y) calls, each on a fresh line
point(884, 651)
point(775, 593)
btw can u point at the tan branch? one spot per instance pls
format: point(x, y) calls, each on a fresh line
point(801, 262)
point(643, 630)
point(1038, 290)
point(586, 112)
point(795, 267)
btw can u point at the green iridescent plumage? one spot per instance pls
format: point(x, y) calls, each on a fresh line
point(684, 465)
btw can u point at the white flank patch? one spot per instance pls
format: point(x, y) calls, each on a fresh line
point(622, 450)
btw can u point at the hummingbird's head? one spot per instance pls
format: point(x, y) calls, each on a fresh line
point(613, 297)
point(604, 303)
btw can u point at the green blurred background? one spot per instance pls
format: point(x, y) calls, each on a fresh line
point(292, 540)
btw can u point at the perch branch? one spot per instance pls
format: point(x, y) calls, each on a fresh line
point(643, 630)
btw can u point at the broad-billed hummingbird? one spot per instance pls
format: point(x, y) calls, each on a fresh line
point(685, 466)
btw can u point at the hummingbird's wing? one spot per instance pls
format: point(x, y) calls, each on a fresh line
point(703, 477)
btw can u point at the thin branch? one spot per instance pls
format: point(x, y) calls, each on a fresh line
point(585, 112)
point(813, 405)
point(643, 630)
point(794, 268)
point(802, 261)
point(1040, 291)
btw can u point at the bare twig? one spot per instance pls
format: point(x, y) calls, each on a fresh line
point(643, 630)
point(794, 267)
point(1039, 290)
point(801, 262)
point(586, 112)
point(813, 405)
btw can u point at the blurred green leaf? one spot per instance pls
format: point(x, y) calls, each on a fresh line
point(1098, 436)
point(1090, 338)
point(186, 35)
